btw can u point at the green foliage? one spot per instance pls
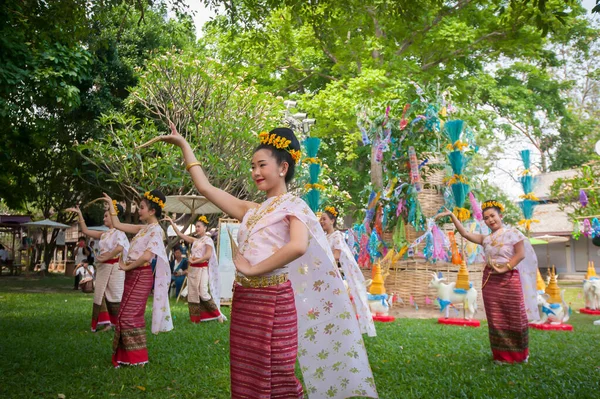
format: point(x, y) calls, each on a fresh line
point(410, 358)
point(217, 112)
point(567, 192)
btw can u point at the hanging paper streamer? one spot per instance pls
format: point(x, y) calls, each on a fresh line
point(530, 201)
point(374, 246)
point(364, 259)
point(456, 259)
point(577, 230)
point(475, 207)
point(403, 120)
point(439, 252)
point(399, 236)
point(379, 221)
point(587, 228)
point(583, 199)
point(415, 178)
point(371, 206)
point(364, 135)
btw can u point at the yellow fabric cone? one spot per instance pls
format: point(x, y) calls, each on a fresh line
point(591, 271)
point(541, 285)
point(552, 289)
point(377, 287)
point(462, 281)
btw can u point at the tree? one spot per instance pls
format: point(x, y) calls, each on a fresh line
point(339, 56)
point(567, 192)
point(216, 111)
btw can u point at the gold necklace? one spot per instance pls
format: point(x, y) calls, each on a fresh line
point(254, 219)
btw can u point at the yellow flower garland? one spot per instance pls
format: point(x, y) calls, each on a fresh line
point(154, 199)
point(280, 143)
point(331, 210)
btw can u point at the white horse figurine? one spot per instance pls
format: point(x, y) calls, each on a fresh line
point(553, 313)
point(448, 294)
point(591, 293)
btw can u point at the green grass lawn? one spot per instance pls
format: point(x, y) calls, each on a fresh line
point(46, 349)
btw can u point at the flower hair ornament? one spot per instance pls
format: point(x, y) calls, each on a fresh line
point(114, 202)
point(491, 204)
point(280, 143)
point(203, 219)
point(331, 210)
point(154, 199)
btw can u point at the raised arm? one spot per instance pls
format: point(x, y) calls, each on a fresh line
point(229, 204)
point(184, 237)
point(82, 225)
point(473, 237)
point(124, 227)
point(291, 251)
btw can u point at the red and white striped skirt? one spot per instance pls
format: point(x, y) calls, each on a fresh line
point(264, 343)
point(129, 343)
point(507, 319)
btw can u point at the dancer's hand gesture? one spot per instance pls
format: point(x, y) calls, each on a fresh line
point(74, 209)
point(242, 265)
point(167, 219)
point(173, 138)
point(108, 200)
point(445, 213)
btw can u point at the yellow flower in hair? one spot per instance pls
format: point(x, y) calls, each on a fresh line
point(154, 199)
point(115, 206)
point(332, 210)
point(203, 219)
point(491, 204)
point(281, 143)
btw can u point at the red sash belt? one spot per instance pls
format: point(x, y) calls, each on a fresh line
point(112, 261)
point(200, 264)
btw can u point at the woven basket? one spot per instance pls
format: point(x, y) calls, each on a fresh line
point(412, 277)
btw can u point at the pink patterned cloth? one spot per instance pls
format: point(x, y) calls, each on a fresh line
point(150, 238)
point(500, 247)
point(331, 351)
point(198, 250)
point(109, 277)
point(356, 282)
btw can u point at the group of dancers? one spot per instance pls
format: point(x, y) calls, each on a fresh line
point(289, 299)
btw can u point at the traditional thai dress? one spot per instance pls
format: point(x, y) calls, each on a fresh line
point(509, 298)
point(301, 310)
point(129, 344)
point(109, 280)
point(203, 306)
point(356, 282)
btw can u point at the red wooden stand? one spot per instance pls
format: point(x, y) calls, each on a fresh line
point(459, 322)
point(589, 311)
point(551, 327)
point(384, 319)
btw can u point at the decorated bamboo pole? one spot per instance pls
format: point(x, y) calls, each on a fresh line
point(529, 200)
point(313, 194)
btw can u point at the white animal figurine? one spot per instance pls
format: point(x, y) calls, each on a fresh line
point(379, 304)
point(591, 293)
point(553, 313)
point(448, 295)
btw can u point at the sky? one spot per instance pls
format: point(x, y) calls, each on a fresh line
point(503, 173)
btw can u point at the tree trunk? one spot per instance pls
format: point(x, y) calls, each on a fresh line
point(376, 170)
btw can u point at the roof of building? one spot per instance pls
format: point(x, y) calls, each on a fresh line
point(544, 181)
point(552, 221)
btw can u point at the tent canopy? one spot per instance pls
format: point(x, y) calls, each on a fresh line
point(47, 223)
point(190, 204)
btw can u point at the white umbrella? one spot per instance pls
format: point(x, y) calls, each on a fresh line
point(98, 228)
point(191, 204)
point(47, 223)
point(171, 233)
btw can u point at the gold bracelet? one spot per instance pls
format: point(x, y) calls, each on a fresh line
point(509, 266)
point(188, 167)
point(114, 214)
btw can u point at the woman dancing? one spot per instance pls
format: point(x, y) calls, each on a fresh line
point(351, 272)
point(281, 246)
point(110, 278)
point(129, 343)
point(509, 284)
point(203, 271)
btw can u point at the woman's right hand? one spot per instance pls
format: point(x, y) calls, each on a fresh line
point(167, 219)
point(443, 214)
point(74, 209)
point(173, 138)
